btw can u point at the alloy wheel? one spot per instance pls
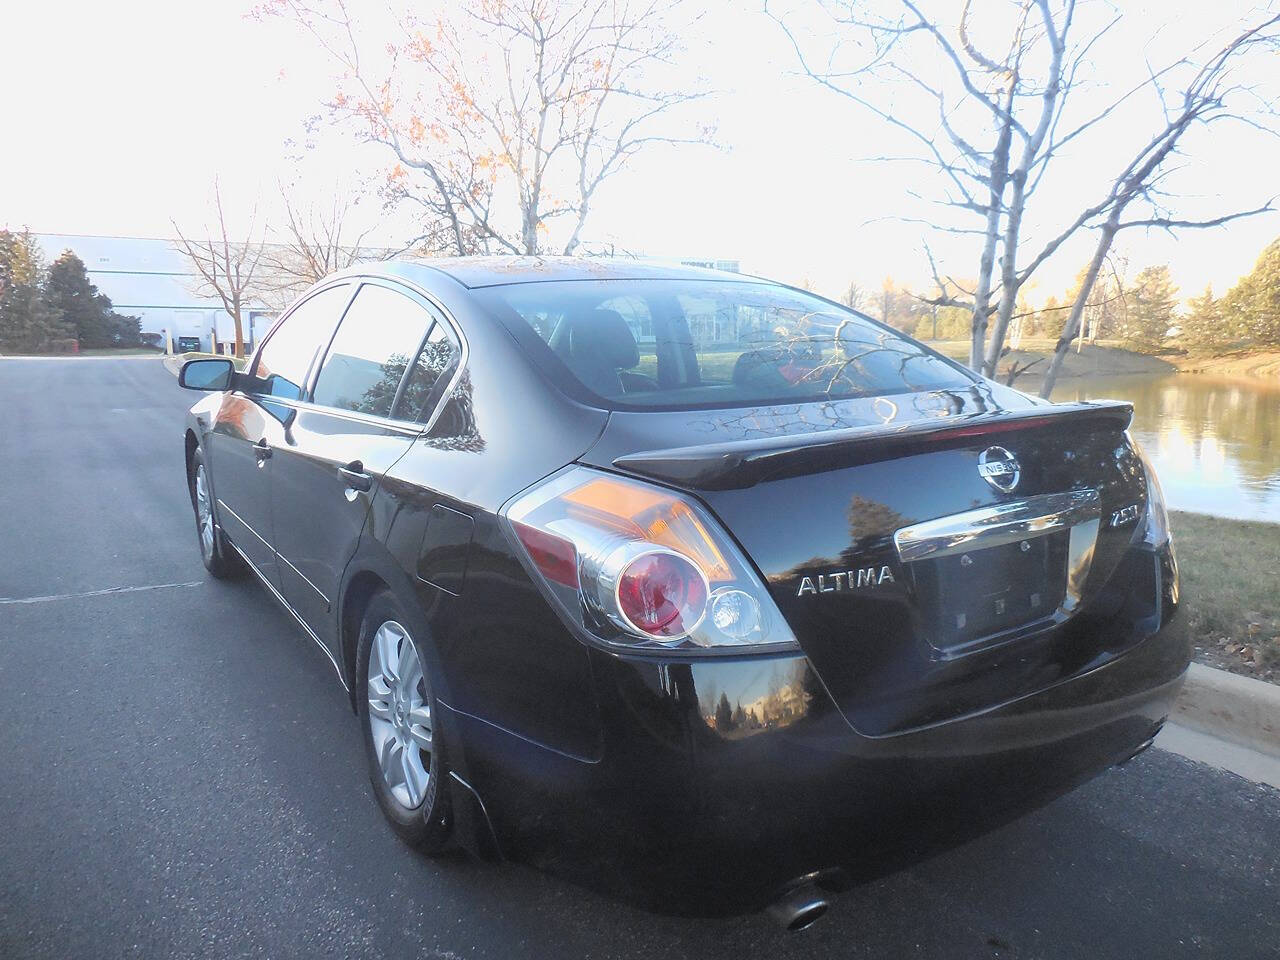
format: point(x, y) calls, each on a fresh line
point(399, 714)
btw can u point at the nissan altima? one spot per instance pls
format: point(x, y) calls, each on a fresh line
point(691, 585)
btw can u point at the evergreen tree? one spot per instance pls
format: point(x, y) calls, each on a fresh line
point(1152, 311)
point(87, 311)
point(724, 715)
point(27, 320)
point(68, 288)
point(1051, 319)
point(1253, 304)
point(1205, 326)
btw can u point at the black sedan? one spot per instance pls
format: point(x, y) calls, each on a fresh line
point(693, 586)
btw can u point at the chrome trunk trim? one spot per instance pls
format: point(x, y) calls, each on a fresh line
point(999, 524)
point(1077, 511)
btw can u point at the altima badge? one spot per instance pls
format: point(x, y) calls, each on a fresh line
point(1000, 468)
point(846, 579)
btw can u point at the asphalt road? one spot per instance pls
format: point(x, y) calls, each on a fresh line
point(180, 774)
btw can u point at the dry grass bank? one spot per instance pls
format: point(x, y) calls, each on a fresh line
point(1231, 591)
point(1251, 364)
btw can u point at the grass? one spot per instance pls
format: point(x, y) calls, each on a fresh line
point(119, 352)
point(1231, 591)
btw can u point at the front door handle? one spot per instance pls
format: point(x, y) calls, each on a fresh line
point(262, 450)
point(354, 476)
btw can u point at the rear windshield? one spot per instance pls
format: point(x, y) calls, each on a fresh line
point(685, 344)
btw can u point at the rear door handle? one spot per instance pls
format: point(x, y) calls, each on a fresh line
point(354, 476)
point(262, 450)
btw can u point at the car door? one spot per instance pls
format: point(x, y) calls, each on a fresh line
point(387, 360)
point(253, 422)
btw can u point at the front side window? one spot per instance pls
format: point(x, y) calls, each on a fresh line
point(283, 362)
point(684, 344)
point(379, 335)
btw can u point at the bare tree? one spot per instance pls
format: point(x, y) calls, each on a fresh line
point(225, 268)
point(504, 119)
point(854, 296)
point(988, 120)
point(317, 242)
point(1206, 99)
point(988, 129)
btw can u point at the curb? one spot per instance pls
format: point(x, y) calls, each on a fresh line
point(1233, 708)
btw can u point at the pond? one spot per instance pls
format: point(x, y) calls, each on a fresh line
point(1215, 443)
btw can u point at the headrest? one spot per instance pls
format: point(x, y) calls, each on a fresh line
point(603, 337)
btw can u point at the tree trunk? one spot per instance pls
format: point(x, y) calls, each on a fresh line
point(529, 231)
point(1072, 326)
point(574, 240)
point(999, 179)
point(1008, 275)
point(235, 320)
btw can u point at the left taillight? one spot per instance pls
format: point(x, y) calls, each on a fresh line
point(636, 565)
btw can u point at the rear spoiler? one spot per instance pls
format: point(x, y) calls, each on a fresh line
point(743, 463)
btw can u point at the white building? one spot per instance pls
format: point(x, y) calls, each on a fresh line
point(151, 279)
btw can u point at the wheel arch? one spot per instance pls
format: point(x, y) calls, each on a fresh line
point(370, 569)
point(359, 590)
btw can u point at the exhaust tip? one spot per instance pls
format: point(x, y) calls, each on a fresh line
point(1141, 749)
point(799, 908)
point(1145, 745)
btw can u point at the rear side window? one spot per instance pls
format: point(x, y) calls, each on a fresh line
point(366, 361)
point(685, 344)
point(283, 362)
point(429, 374)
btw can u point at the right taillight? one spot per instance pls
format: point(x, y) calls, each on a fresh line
point(1155, 523)
point(636, 565)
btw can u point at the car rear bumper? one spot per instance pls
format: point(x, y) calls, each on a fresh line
point(722, 780)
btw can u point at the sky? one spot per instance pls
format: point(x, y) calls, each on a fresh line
point(125, 112)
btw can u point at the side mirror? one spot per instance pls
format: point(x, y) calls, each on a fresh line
point(212, 374)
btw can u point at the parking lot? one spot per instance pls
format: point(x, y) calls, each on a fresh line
point(181, 775)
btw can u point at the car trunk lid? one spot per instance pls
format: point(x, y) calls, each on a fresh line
point(935, 554)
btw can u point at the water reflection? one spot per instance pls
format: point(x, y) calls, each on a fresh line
point(1214, 442)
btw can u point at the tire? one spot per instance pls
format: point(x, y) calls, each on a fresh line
point(218, 556)
point(396, 707)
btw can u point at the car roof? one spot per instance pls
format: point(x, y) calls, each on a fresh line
point(475, 272)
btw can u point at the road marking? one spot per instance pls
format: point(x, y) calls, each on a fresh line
point(99, 593)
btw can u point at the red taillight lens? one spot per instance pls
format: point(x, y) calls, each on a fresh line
point(554, 556)
point(662, 594)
